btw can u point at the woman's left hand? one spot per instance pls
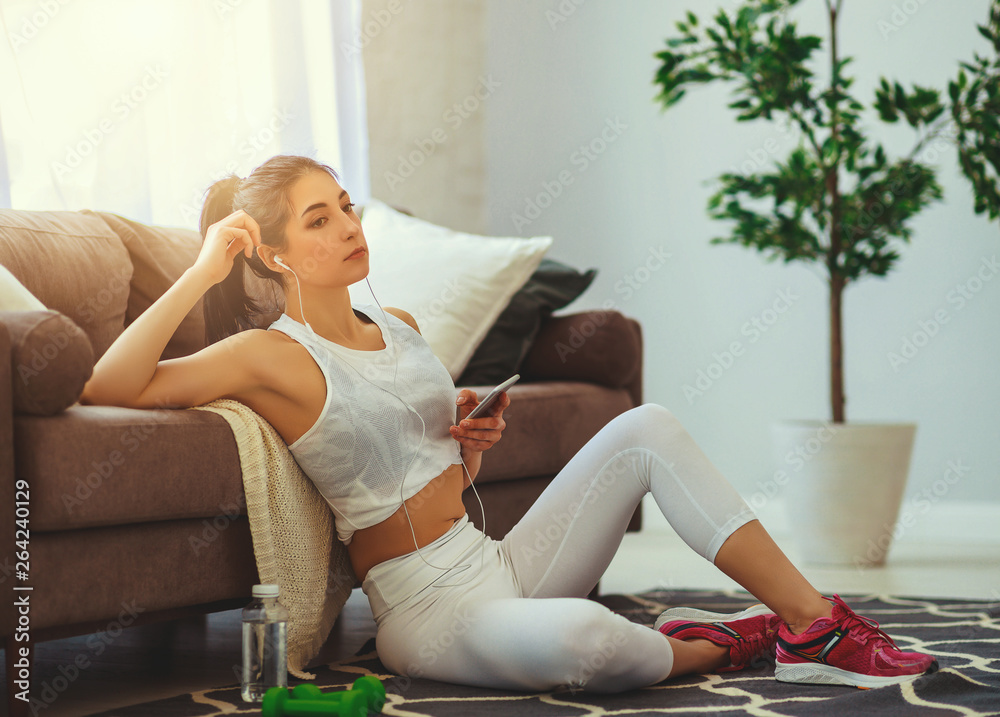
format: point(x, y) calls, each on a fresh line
point(479, 434)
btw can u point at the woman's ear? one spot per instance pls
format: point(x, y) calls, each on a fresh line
point(266, 254)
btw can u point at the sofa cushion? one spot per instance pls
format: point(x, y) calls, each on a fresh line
point(74, 264)
point(547, 423)
point(604, 347)
point(50, 359)
point(103, 465)
point(159, 256)
point(98, 465)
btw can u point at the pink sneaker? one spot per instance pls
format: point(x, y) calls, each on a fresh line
point(846, 649)
point(749, 633)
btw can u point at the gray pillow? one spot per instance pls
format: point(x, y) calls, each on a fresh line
point(499, 356)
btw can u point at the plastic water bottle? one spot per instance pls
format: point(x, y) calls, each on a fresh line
point(265, 646)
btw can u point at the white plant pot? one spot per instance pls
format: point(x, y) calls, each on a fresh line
point(843, 487)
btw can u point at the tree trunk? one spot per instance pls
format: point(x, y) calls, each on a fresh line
point(837, 281)
point(836, 349)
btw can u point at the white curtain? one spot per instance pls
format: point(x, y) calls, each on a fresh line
point(137, 106)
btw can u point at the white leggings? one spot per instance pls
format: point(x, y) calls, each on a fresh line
point(521, 621)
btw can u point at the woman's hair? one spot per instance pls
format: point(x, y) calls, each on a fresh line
point(264, 196)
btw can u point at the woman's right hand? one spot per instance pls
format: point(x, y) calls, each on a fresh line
point(223, 241)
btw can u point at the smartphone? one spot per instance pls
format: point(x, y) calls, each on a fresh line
point(487, 403)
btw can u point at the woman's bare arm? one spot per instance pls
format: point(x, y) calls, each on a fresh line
point(130, 367)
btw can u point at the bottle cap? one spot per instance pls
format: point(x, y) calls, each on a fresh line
point(265, 591)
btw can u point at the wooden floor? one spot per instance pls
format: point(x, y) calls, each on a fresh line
point(164, 660)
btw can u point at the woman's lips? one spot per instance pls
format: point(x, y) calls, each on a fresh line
point(356, 254)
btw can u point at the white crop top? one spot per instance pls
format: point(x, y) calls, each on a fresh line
point(357, 451)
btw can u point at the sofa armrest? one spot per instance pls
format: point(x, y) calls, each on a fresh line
point(49, 359)
point(602, 347)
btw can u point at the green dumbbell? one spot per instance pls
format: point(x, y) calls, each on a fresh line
point(368, 685)
point(367, 693)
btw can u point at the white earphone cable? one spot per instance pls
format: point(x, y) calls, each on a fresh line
point(423, 434)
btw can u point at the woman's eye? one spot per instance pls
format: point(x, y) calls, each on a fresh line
point(349, 207)
point(319, 222)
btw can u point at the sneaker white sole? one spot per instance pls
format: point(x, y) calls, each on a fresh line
point(696, 615)
point(816, 674)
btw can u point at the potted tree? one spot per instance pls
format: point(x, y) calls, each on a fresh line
point(840, 202)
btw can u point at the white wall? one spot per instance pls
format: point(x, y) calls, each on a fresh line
point(566, 71)
point(571, 70)
point(427, 94)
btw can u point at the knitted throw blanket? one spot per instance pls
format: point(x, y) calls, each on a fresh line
point(293, 535)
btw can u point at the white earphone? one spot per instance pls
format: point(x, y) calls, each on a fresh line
point(423, 434)
point(280, 262)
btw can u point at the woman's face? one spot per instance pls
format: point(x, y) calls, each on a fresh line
point(324, 241)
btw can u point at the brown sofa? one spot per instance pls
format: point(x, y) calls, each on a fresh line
point(139, 515)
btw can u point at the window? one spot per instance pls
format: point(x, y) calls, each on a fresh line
point(137, 106)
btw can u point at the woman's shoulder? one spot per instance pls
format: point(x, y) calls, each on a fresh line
point(268, 355)
point(256, 344)
point(403, 316)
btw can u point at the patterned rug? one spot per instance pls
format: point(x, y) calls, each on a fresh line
point(963, 635)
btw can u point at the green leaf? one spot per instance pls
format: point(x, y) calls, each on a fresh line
point(900, 97)
point(680, 41)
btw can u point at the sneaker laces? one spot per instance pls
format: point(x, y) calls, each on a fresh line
point(744, 651)
point(863, 627)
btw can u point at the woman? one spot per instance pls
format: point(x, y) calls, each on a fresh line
point(367, 411)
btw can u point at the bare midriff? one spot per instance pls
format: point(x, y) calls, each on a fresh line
point(432, 511)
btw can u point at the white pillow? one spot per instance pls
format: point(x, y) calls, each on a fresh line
point(454, 284)
point(13, 295)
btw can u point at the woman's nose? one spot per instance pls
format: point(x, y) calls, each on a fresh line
point(347, 228)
